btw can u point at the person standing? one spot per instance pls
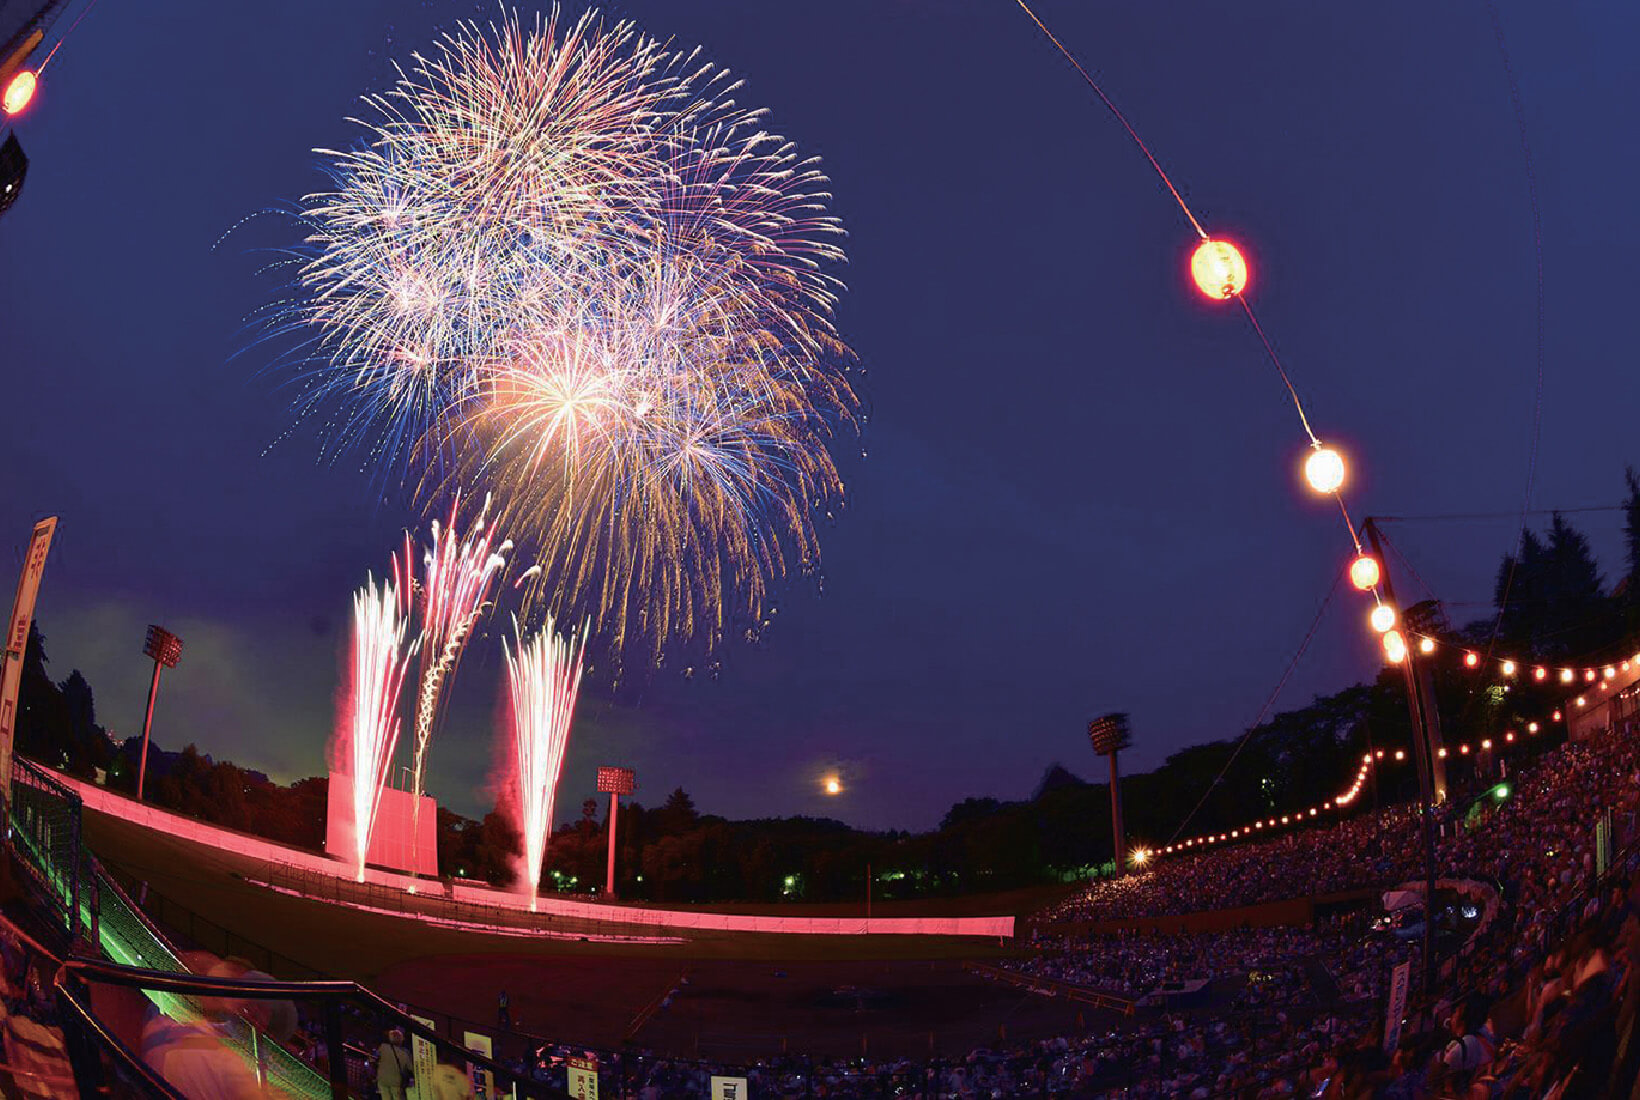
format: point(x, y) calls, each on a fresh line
point(392, 1066)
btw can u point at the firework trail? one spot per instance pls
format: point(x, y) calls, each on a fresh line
point(567, 265)
point(453, 591)
point(380, 661)
point(543, 677)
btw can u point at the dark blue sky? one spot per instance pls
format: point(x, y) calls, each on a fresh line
point(1079, 492)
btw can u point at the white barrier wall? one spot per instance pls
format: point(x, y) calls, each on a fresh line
point(106, 801)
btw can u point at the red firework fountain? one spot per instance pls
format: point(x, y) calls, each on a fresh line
point(457, 575)
point(544, 677)
point(380, 660)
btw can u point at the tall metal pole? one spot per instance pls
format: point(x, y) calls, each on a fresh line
point(1422, 752)
point(1116, 815)
point(166, 650)
point(147, 724)
point(609, 877)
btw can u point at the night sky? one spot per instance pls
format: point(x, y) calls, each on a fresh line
point(1078, 491)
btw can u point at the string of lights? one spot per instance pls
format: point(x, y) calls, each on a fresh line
point(1594, 683)
point(1220, 271)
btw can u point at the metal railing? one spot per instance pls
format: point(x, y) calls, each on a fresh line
point(342, 1006)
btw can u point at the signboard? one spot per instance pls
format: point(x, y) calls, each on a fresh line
point(482, 1077)
point(22, 614)
point(423, 1056)
point(1603, 843)
point(390, 842)
point(1399, 979)
point(729, 1088)
point(583, 1078)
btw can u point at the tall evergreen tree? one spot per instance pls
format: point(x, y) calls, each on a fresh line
point(1628, 586)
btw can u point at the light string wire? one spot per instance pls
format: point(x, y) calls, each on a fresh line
point(1537, 247)
point(1275, 359)
point(1264, 711)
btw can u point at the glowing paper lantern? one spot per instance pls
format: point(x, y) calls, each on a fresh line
point(1470, 660)
point(1219, 269)
point(19, 93)
point(1508, 668)
point(1364, 572)
point(1426, 645)
point(1382, 618)
point(1395, 647)
point(1324, 470)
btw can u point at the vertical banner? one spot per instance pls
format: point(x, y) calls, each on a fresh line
point(22, 614)
point(1603, 843)
point(729, 1088)
point(583, 1078)
point(482, 1078)
point(1399, 979)
point(424, 1057)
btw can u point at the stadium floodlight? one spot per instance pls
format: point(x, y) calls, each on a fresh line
point(617, 781)
point(1110, 735)
point(166, 650)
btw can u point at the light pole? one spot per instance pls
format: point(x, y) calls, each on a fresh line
point(1110, 735)
point(166, 650)
point(1432, 786)
point(617, 781)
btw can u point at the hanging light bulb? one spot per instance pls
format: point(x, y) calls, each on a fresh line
point(1540, 673)
point(1565, 675)
point(1364, 572)
point(1219, 269)
point(1508, 668)
point(1470, 660)
point(1382, 618)
point(1324, 469)
point(1395, 647)
point(19, 92)
point(1426, 645)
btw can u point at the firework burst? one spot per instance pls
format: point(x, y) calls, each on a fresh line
point(567, 266)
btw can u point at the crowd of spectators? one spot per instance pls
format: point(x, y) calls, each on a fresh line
point(1529, 1006)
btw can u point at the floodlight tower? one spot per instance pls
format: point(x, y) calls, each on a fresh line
point(1110, 735)
point(166, 650)
point(617, 781)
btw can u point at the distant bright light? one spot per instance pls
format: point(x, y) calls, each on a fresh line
point(1501, 791)
point(1324, 470)
point(1508, 668)
point(832, 785)
point(1219, 269)
point(1565, 675)
point(19, 93)
point(1364, 572)
point(1426, 645)
point(1382, 618)
point(1140, 857)
point(1471, 659)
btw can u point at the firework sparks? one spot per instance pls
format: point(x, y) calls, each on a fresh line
point(543, 676)
point(454, 589)
point(568, 265)
point(380, 660)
